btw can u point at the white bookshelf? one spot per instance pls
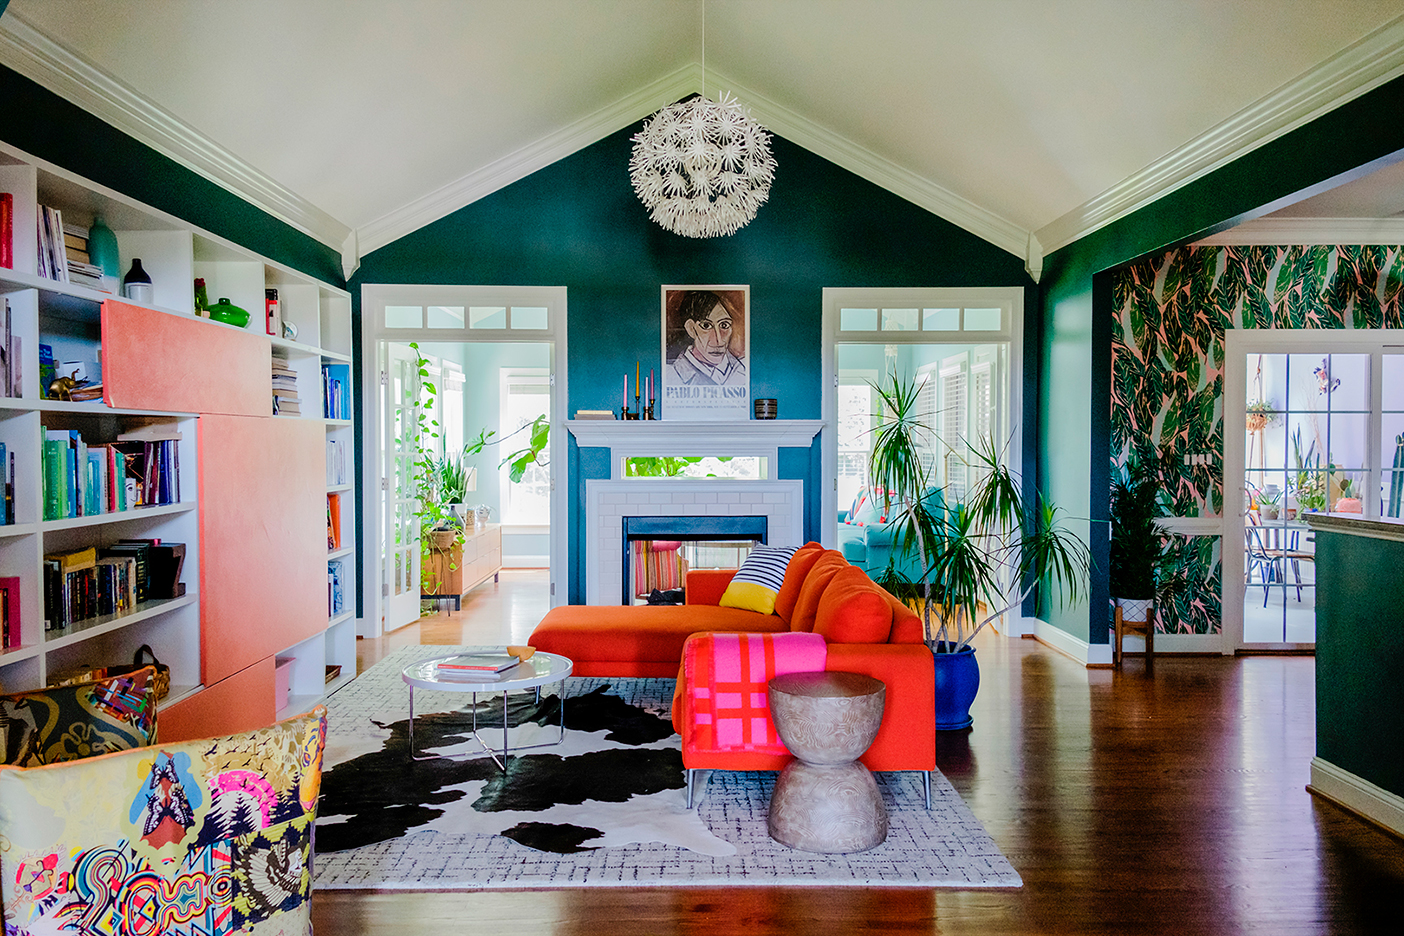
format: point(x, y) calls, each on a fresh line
point(67, 317)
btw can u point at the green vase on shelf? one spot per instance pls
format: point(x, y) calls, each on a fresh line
point(102, 252)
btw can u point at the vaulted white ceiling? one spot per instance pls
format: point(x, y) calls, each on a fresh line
point(360, 120)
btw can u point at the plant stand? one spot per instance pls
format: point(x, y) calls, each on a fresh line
point(444, 568)
point(1122, 627)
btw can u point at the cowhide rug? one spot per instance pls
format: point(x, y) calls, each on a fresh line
point(606, 807)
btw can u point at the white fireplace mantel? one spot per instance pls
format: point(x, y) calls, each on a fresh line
point(671, 436)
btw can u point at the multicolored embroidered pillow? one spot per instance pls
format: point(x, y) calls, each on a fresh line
point(209, 836)
point(755, 584)
point(64, 723)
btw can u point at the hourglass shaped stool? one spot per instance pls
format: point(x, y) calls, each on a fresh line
point(825, 801)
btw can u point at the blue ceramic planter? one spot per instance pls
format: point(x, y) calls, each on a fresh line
point(957, 681)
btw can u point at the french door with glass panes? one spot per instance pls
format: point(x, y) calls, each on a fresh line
point(399, 537)
point(1315, 423)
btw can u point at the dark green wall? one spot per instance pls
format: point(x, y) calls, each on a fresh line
point(1359, 658)
point(1075, 351)
point(578, 224)
point(45, 125)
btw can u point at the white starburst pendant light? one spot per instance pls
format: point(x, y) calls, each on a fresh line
point(702, 167)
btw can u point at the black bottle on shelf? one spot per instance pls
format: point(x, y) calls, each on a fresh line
point(136, 285)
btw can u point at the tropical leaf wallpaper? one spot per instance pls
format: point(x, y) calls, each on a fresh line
point(1168, 366)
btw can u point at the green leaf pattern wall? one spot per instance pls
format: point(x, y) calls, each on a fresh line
point(1168, 365)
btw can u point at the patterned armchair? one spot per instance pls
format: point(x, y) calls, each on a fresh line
point(209, 836)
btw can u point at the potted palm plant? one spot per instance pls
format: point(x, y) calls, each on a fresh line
point(1135, 542)
point(979, 559)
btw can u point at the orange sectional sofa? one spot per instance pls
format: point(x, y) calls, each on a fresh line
point(866, 631)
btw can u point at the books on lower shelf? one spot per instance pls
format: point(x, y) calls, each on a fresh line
point(11, 356)
point(336, 591)
point(285, 398)
point(112, 579)
point(336, 462)
point(7, 479)
point(83, 480)
point(333, 522)
point(336, 391)
point(10, 612)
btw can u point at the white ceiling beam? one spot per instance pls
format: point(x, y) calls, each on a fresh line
point(73, 78)
point(1355, 70)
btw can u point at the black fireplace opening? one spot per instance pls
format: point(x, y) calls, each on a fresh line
point(656, 547)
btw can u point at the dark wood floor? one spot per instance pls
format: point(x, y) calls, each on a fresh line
point(1164, 799)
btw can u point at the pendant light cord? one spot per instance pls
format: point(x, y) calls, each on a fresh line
point(704, 48)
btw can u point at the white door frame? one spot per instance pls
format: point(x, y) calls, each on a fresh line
point(374, 298)
point(1008, 298)
point(1238, 344)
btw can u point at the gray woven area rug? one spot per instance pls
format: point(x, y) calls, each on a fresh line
point(604, 808)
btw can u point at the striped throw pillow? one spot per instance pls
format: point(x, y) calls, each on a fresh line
point(756, 583)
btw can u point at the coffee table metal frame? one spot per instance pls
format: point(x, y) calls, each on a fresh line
point(542, 669)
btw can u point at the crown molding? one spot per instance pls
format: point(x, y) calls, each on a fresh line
point(1294, 231)
point(881, 172)
point(1355, 70)
point(42, 60)
point(518, 165)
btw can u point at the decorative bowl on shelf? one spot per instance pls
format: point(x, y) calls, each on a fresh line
point(228, 313)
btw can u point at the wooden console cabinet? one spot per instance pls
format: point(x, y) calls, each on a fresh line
point(456, 571)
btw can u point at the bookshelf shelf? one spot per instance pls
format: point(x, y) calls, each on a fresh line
point(121, 516)
point(112, 338)
point(338, 553)
point(92, 627)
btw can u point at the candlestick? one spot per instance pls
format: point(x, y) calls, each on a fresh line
point(626, 390)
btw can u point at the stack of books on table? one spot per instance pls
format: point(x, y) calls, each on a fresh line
point(476, 667)
point(285, 399)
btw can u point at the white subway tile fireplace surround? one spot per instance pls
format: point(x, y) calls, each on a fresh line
point(607, 502)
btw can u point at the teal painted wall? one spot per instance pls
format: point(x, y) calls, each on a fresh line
point(45, 125)
point(1359, 656)
point(578, 224)
point(1074, 351)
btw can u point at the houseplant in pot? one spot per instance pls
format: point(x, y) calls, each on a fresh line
point(978, 560)
point(1135, 541)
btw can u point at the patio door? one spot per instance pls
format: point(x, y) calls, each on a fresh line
point(1314, 422)
point(399, 535)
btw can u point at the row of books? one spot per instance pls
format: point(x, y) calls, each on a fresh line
point(7, 470)
point(285, 398)
point(87, 583)
point(82, 480)
point(10, 632)
point(81, 269)
point(11, 376)
point(336, 593)
point(7, 230)
point(337, 467)
point(336, 391)
point(333, 522)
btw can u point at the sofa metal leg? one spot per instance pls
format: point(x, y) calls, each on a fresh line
point(926, 783)
point(690, 774)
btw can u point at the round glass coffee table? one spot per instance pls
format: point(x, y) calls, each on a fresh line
point(542, 669)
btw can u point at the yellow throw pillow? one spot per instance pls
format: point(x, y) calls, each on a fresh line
point(756, 583)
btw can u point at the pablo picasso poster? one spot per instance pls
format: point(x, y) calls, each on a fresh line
point(706, 356)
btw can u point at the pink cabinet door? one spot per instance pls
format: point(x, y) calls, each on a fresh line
point(242, 702)
point(158, 361)
point(263, 548)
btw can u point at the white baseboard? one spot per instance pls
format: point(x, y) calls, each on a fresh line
point(1358, 795)
point(1174, 643)
point(1080, 650)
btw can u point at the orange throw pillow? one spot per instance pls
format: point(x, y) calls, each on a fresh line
point(800, 564)
point(853, 610)
point(829, 564)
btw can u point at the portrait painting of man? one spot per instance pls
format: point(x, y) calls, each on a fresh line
point(706, 361)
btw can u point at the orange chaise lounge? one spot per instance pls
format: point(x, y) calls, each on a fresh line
point(866, 631)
